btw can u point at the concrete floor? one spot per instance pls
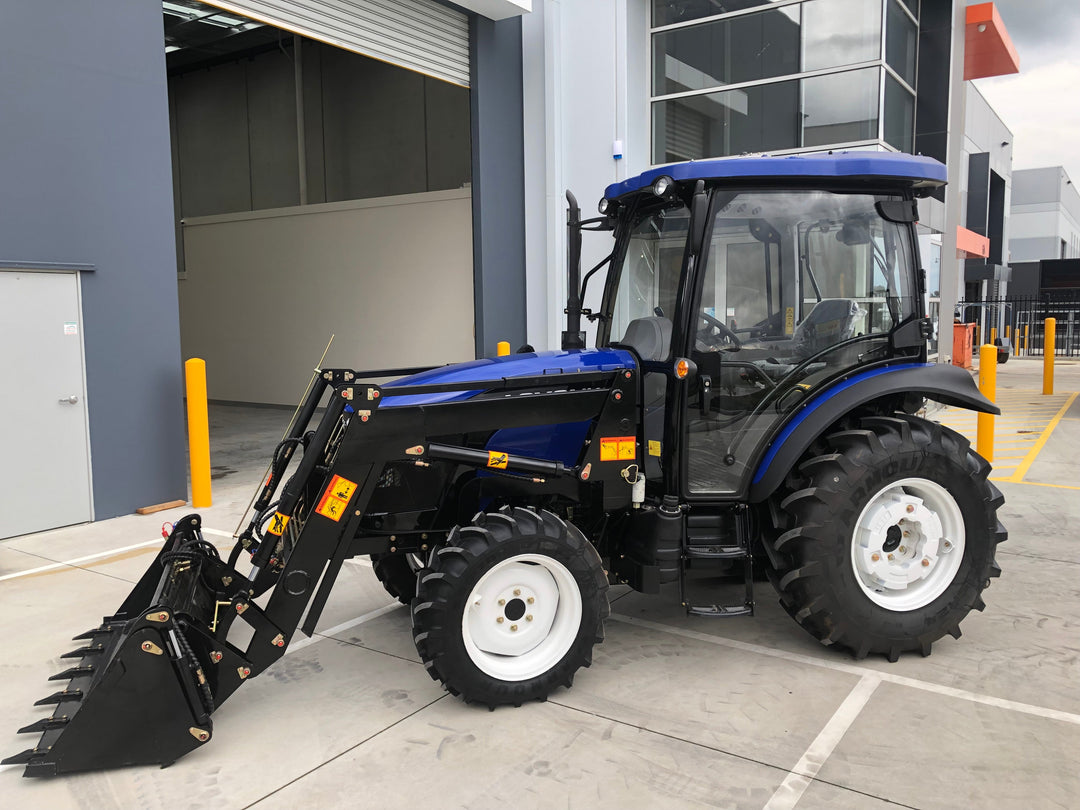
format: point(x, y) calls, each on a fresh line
point(675, 711)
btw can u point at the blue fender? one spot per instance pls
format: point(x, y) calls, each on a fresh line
point(947, 384)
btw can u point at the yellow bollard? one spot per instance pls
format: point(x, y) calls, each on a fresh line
point(1007, 330)
point(1049, 345)
point(993, 335)
point(502, 348)
point(198, 432)
point(984, 439)
point(1025, 340)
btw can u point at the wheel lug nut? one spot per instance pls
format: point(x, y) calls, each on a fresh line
point(902, 549)
point(502, 601)
point(907, 534)
point(875, 557)
point(500, 620)
point(517, 591)
point(530, 600)
point(890, 556)
point(528, 617)
point(513, 628)
point(925, 562)
point(910, 508)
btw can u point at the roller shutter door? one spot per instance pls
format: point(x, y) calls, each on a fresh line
point(416, 34)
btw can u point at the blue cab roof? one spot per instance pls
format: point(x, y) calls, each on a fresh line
point(913, 170)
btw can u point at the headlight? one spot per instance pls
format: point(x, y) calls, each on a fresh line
point(604, 205)
point(662, 185)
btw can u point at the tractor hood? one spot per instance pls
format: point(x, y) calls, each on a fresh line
point(495, 368)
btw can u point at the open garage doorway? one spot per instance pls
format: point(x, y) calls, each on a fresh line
point(318, 191)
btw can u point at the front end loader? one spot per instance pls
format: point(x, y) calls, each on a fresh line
point(752, 405)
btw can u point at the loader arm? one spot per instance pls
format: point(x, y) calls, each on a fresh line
point(154, 672)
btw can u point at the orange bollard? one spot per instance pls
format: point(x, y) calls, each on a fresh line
point(198, 433)
point(984, 438)
point(502, 348)
point(1049, 346)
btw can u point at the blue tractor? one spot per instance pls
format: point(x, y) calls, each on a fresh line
point(751, 407)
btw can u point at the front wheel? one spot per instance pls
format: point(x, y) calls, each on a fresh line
point(510, 608)
point(886, 539)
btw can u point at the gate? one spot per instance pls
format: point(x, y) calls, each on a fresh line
point(1021, 319)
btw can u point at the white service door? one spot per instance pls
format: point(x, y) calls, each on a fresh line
point(45, 461)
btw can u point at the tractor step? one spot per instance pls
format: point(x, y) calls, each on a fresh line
point(721, 611)
point(718, 536)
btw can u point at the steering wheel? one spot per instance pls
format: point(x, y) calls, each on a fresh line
point(723, 336)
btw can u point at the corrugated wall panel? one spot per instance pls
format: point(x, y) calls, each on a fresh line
point(416, 34)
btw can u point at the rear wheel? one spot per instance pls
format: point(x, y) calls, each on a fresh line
point(511, 607)
point(885, 541)
point(397, 573)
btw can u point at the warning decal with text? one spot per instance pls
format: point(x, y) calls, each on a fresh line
point(335, 500)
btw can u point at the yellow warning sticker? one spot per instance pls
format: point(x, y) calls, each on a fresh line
point(497, 459)
point(789, 320)
point(278, 523)
point(335, 500)
point(654, 447)
point(618, 448)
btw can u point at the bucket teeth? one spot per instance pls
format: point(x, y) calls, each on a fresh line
point(44, 724)
point(74, 672)
point(60, 697)
point(93, 649)
point(23, 758)
point(104, 630)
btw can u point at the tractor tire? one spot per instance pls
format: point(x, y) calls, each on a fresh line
point(510, 608)
point(885, 540)
point(397, 573)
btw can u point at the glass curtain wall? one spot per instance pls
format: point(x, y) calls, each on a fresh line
point(781, 75)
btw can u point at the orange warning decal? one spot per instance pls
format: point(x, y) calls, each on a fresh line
point(618, 448)
point(278, 523)
point(498, 460)
point(335, 500)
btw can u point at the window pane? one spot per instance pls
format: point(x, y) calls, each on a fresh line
point(669, 12)
point(899, 115)
point(840, 107)
point(754, 119)
point(900, 38)
point(743, 49)
point(841, 32)
point(799, 288)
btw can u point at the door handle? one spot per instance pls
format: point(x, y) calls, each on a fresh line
point(69, 400)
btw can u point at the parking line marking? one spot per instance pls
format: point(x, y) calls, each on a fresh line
point(852, 669)
point(338, 628)
point(1034, 483)
point(806, 769)
point(1043, 439)
point(73, 563)
point(101, 554)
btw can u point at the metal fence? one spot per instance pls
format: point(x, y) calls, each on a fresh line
point(1021, 319)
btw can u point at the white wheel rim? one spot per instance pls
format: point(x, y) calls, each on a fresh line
point(522, 617)
point(908, 544)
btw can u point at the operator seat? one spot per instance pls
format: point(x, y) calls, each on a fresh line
point(831, 321)
point(649, 337)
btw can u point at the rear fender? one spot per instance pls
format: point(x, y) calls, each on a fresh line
point(942, 383)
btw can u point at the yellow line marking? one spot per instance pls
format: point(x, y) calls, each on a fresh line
point(1034, 483)
point(1033, 454)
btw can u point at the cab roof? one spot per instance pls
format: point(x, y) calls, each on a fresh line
point(915, 171)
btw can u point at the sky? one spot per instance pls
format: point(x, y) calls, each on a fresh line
point(1041, 103)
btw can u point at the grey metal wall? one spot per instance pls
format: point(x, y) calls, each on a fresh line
point(86, 179)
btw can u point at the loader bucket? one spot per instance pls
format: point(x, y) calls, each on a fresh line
point(138, 692)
